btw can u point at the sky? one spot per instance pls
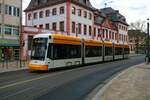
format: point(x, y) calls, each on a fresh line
point(133, 10)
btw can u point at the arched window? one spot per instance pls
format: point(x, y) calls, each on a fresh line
point(41, 14)
point(29, 16)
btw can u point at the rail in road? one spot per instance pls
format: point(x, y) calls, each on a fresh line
point(73, 84)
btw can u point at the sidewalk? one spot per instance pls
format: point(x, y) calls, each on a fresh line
point(132, 84)
point(12, 66)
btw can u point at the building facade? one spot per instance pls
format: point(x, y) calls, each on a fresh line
point(119, 21)
point(77, 18)
point(10, 11)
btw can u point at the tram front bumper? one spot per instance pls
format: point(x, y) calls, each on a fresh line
point(38, 67)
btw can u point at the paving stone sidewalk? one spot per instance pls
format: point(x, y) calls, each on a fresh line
point(12, 66)
point(132, 84)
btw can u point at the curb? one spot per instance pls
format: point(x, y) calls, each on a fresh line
point(13, 70)
point(99, 90)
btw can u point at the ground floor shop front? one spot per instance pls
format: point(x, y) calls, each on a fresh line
point(9, 53)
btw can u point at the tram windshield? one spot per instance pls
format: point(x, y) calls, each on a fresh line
point(39, 48)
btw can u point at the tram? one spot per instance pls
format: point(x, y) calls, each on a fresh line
point(51, 51)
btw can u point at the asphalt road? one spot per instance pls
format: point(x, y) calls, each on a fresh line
point(72, 84)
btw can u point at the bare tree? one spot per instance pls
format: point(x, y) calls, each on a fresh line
point(137, 33)
point(138, 25)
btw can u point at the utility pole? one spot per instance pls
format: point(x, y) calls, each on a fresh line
point(20, 33)
point(147, 44)
point(2, 29)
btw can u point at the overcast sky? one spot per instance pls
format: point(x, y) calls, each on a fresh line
point(133, 10)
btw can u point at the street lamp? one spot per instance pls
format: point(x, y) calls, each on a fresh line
point(147, 44)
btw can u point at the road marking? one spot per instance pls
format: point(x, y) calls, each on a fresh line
point(6, 97)
point(22, 82)
point(34, 79)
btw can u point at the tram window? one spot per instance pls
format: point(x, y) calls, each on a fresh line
point(126, 51)
point(93, 51)
point(108, 51)
point(61, 51)
point(118, 51)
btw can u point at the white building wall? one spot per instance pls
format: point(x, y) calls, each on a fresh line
point(48, 20)
point(123, 32)
point(73, 18)
point(80, 19)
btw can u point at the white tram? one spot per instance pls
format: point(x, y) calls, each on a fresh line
point(55, 50)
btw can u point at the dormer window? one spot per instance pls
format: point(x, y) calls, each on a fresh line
point(38, 2)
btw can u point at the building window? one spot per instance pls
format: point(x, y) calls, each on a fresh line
point(85, 14)
point(8, 30)
point(110, 35)
point(14, 11)
point(126, 38)
point(11, 30)
point(79, 12)
point(120, 37)
point(29, 16)
point(6, 9)
point(35, 15)
point(90, 30)
point(94, 31)
point(119, 26)
point(18, 12)
point(10, 10)
point(73, 10)
point(73, 27)
point(62, 26)
point(113, 35)
point(106, 34)
point(90, 16)
point(41, 14)
point(62, 10)
point(103, 33)
point(99, 34)
point(47, 26)
point(54, 26)
point(85, 29)
point(79, 28)
point(47, 13)
point(41, 26)
point(54, 11)
point(15, 30)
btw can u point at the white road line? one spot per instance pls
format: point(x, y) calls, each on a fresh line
point(34, 79)
point(22, 82)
